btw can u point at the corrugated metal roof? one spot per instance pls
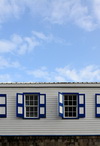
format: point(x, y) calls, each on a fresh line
point(49, 82)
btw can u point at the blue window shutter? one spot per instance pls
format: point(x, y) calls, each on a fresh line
point(81, 105)
point(3, 106)
point(97, 105)
point(42, 106)
point(60, 104)
point(20, 105)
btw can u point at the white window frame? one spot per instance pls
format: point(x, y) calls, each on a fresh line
point(71, 117)
point(31, 94)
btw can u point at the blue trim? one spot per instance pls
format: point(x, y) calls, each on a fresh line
point(37, 93)
point(82, 105)
point(43, 105)
point(96, 105)
point(4, 105)
point(19, 105)
point(60, 104)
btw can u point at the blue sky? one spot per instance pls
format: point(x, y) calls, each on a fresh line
point(49, 41)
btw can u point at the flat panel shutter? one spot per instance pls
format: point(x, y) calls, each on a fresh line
point(3, 109)
point(60, 104)
point(20, 105)
point(97, 105)
point(81, 105)
point(42, 105)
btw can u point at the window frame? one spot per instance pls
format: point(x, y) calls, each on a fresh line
point(31, 93)
point(77, 106)
point(72, 93)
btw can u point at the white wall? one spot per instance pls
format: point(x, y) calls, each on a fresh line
point(52, 124)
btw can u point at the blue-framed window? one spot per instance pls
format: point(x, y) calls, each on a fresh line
point(31, 105)
point(71, 105)
point(97, 105)
point(3, 106)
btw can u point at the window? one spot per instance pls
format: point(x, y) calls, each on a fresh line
point(31, 105)
point(3, 108)
point(71, 105)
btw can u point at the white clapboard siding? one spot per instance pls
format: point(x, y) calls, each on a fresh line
point(53, 124)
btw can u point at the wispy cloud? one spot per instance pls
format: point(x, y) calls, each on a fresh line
point(25, 44)
point(87, 74)
point(18, 44)
point(7, 63)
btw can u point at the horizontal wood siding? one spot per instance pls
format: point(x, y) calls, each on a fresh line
point(52, 124)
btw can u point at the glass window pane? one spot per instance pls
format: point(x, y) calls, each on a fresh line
point(66, 109)
point(66, 102)
point(35, 97)
point(27, 114)
point(70, 97)
point(70, 108)
point(74, 102)
point(74, 114)
point(70, 102)
point(66, 114)
point(35, 102)
point(74, 109)
point(31, 114)
point(31, 102)
point(74, 97)
point(31, 97)
point(27, 102)
point(65, 97)
point(35, 114)
point(27, 109)
point(31, 109)
point(70, 114)
point(27, 97)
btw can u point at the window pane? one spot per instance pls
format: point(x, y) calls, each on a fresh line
point(31, 109)
point(35, 114)
point(35, 102)
point(70, 102)
point(74, 102)
point(66, 114)
point(70, 114)
point(35, 97)
point(27, 102)
point(66, 97)
point(66, 109)
point(31, 114)
point(27, 97)
point(35, 109)
point(31, 102)
point(74, 114)
point(66, 102)
point(70, 97)
point(27, 109)
point(74, 97)
point(31, 97)
point(27, 114)
point(70, 108)
point(74, 109)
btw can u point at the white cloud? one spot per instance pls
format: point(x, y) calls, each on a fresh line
point(86, 15)
point(25, 44)
point(7, 63)
point(18, 44)
point(67, 74)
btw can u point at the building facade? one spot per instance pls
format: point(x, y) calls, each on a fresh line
point(50, 109)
